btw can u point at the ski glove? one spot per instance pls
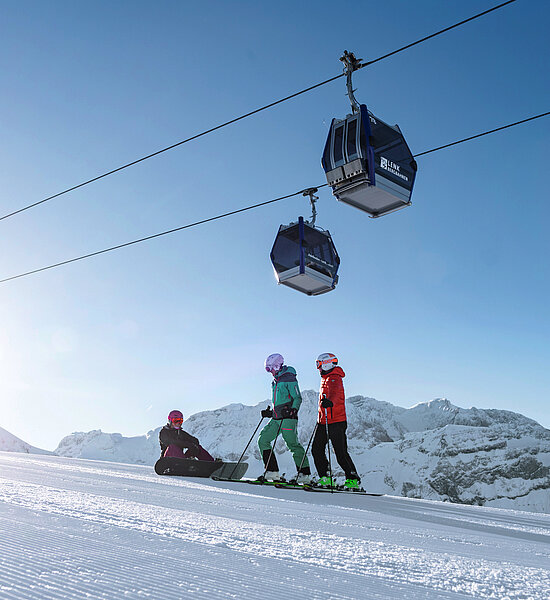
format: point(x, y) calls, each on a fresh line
point(326, 403)
point(289, 413)
point(267, 412)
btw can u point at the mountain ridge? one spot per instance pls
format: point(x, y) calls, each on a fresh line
point(433, 450)
point(11, 443)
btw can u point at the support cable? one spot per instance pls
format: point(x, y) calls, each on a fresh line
point(473, 137)
point(429, 37)
point(156, 235)
point(253, 112)
point(305, 192)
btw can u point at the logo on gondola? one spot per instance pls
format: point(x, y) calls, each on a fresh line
point(392, 168)
point(319, 260)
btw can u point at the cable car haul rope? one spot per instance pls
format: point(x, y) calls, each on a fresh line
point(247, 208)
point(367, 163)
point(251, 113)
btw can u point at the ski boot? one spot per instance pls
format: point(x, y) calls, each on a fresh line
point(326, 482)
point(352, 485)
point(302, 479)
point(272, 476)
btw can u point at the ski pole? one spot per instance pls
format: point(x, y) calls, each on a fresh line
point(328, 444)
point(272, 449)
point(308, 445)
point(246, 448)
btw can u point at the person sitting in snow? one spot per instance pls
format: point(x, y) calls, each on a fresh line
point(286, 399)
point(174, 440)
point(332, 421)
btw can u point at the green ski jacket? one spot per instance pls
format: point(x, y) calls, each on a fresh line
point(285, 391)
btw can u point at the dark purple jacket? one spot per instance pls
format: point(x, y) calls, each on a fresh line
point(169, 435)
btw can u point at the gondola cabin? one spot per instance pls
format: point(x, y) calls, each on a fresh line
point(368, 164)
point(305, 259)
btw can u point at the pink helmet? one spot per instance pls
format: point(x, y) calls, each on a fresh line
point(273, 363)
point(175, 415)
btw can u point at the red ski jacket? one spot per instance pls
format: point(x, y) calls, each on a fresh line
point(332, 387)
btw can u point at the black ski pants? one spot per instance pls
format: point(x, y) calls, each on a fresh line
point(337, 434)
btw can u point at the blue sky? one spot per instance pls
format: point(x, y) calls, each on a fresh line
point(447, 298)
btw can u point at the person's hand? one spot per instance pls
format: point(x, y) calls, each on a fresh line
point(267, 412)
point(326, 403)
point(289, 413)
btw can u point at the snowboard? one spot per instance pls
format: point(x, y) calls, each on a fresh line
point(189, 467)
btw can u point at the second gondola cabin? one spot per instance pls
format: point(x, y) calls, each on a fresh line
point(368, 164)
point(305, 258)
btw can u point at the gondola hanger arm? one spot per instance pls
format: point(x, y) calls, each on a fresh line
point(351, 64)
point(312, 198)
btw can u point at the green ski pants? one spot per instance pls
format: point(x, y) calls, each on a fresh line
point(290, 436)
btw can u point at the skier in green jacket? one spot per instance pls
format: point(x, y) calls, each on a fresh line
point(286, 399)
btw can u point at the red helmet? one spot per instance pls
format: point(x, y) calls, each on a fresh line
point(175, 415)
point(326, 361)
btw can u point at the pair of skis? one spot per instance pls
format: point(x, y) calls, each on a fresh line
point(289, 485)
point(340, 490)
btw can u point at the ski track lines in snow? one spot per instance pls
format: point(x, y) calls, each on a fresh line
point(85, 529)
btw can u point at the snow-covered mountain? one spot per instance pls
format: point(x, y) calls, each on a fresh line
point(433, 450)
point(139, 450)
point(11, 443)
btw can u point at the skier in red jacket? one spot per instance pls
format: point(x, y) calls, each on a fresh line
point(332, 419)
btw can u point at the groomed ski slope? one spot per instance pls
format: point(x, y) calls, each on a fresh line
point(74, 528)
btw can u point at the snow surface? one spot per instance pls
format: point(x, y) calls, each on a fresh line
point(72, 529)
